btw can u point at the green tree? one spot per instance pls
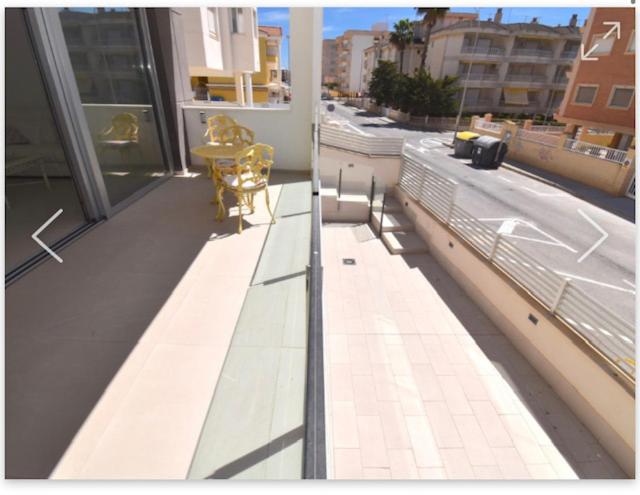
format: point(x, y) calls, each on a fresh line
point(401, 36)
point(382, 87)
point(429, 18)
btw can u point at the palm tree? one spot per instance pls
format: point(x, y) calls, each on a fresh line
point(401, 36)
point(429, 19)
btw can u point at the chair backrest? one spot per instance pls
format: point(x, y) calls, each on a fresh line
point(124, 127)
point(253, 164)
point(215, 126)
point(237, 135)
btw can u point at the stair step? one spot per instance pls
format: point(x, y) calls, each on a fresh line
point(404, 243)
point(392, 222)
point(391, 205)
point(354, 198)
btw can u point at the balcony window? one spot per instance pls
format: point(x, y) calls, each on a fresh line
point(631, 48)
point(621, 97)
point(585, 95)
point(212, 22)
point(237, 20)
point(602, 45)
point(272, 51)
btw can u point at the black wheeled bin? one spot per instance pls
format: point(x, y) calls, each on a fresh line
point(463, 144)
point(485, 152)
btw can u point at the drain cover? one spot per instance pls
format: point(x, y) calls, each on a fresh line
point(348, 261)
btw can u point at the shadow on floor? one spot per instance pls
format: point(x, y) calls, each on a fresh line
point(71, 326)
point(576, 443)
point(623, 207)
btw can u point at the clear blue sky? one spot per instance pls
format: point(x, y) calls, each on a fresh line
point(338, 20)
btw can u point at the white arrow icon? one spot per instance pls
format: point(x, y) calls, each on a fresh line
point(35, 235)
point(585, 56)
point(598, 242)
point(616, 27)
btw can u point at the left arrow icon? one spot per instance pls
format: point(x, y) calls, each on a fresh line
point(35, 235)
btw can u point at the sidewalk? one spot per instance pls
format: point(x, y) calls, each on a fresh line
point(421, 384)
point(621, 206)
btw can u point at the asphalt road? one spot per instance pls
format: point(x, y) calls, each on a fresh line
point(592, 247)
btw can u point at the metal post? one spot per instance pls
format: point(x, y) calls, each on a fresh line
point(452, 201)
point(464, 88)
point(373, 190)
point(558, 298)
point(494, 246)
point(384, 199)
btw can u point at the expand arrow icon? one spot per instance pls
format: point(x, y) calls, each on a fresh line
point(614, 29)
point(35, 235)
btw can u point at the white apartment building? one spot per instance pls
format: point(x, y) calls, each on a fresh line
point(350, 51)
point(509, 68)
point(223, 42)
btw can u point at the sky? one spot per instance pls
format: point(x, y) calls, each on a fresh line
point(338, 20)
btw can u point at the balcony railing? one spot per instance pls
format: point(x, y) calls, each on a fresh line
point(597, 151)
point(544, 138)
point(488, 126)
point(531, 52)
point(494, 51)
point(539, 78)
point(569, 54)
point(487, 76)
point(478, 103)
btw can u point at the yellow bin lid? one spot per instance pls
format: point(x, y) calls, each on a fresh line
point(467, 136)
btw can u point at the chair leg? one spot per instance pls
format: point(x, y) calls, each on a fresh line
point(266, 197)
point(239, 200)
point(251, 206)
point(221, 211)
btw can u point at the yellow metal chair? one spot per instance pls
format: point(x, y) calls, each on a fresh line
point(235, 138)
point(122, 133)
point(215, 125)
point(250, 175)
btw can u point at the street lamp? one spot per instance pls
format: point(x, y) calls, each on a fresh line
point(464, 87)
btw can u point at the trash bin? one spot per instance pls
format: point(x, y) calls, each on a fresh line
point(463, 144)
point(485, 152)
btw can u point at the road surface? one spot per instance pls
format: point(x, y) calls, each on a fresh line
point(592, 247)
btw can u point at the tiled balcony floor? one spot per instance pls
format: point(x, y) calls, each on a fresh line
point(112, 357)
point(422, 385)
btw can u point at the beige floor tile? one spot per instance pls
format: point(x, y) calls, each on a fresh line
point(341, 382)
point(433, 473)
point(347, 464)
point(454, 395)
point(409, 396)
point(376, 473)
point(510, 463)
point(487, 472)
point(384, 382)
point(442, 424)
point(425, 449)
point(394, 427)
point(492, 427)
point(456, 464)
point(542, 472)
point(372, 446)
point(475, 444)
point(523, 439)
point(345, 425)
point(364, 393)
point(427, 382)
point(403, 464)
point(413, 347)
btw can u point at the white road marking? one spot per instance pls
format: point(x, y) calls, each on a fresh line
point(548, 195)
point(505, 179)
point(628, 283)
point(507, 226)
point(598, 242)
point(357, 129)
point(555, 242)
point(35, 237)
point(595, 282)
point(540, 241)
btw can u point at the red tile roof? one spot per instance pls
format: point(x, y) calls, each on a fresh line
point(271, 30)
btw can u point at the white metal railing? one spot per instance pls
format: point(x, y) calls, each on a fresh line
point(544, 138)
point(596, 151)
point(571, 54)
point(488, 126)
point(487, 76)
point(610, 334)
point(483, 50)
point(551, 129)
point(531, 52)
point(360, 143)
point(539, 78)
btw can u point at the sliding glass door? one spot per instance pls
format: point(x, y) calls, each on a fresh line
point(112, 72)
point(39, 180)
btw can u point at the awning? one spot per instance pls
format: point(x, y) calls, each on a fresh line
point(516, 96)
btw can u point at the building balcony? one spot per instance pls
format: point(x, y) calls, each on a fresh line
point(531, 53)
point(569, 54)
point(477, 77)
point(483, 52)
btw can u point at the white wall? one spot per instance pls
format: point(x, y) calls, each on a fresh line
point(359, 43)
point(287, 130)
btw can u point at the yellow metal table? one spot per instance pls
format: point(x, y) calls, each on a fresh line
point(213, 153)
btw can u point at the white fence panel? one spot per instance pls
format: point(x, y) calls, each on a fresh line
point(596, 151)
point(544, 138)
point(360, 143)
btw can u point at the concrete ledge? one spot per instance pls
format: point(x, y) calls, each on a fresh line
point(605, 403)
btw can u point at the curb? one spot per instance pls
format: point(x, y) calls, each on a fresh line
point(541, 179)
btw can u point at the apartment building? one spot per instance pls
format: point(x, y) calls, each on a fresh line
point(329, 61)
point(223, 43)
point(600, 95)
point(517, 68)
point(385, 50)
point(350, 53)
